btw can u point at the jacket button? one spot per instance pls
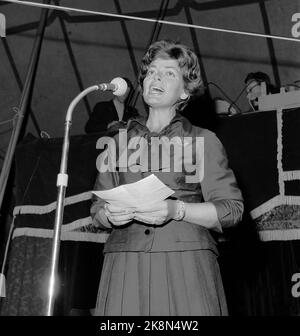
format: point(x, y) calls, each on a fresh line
point(147, 231)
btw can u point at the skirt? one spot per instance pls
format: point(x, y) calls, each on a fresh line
point(185, 283)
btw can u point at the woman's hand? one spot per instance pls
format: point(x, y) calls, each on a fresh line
point(118, 216)
point(157, 214)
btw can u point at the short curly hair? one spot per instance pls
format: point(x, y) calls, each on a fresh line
point(262, 77)
point(187, 61)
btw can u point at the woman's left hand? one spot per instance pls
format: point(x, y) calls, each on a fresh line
point(118, 216)
point(157, 213)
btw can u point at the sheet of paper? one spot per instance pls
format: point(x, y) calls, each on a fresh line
point(144, 192)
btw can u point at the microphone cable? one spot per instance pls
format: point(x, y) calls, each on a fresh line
point(224, 94)
point(236, 99)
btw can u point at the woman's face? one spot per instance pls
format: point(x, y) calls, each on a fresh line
point(163, 85)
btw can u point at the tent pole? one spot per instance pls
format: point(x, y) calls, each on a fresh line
point(22, 108)
point(270, 43)
point(19, 82)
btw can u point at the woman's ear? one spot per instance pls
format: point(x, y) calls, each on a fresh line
point(184, 96)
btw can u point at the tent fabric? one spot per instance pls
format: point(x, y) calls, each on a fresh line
point(81, 50)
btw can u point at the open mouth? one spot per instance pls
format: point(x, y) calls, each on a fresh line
point(156, 90)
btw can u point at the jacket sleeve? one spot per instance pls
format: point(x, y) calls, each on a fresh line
point(107, 179)
point(100, 117)
point(219, 185)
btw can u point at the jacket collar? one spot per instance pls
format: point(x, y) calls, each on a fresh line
point(177, 120)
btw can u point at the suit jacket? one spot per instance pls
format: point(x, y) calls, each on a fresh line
point(104, 113)
point(217, 184)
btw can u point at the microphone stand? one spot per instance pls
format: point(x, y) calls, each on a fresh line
point(62, 183)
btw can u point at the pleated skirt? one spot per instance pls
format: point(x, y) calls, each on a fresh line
point(185, 283)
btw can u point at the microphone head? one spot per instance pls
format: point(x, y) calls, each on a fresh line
point(121, 86)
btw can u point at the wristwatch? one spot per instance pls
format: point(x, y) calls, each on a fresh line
point(180, 210)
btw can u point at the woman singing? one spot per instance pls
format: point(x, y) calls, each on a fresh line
point(161, 259)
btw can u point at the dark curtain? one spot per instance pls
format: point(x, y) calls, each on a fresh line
point(258, 274)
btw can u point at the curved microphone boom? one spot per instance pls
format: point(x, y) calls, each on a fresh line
point(118, 85)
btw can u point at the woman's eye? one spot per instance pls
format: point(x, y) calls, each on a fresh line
point(170, 74)
point(150, 72)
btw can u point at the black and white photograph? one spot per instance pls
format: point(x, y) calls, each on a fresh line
point(149, 161)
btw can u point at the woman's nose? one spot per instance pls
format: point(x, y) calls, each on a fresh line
point(158, 75)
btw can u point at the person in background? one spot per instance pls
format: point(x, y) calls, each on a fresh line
point(111, 114)
point(160, 259)
point(255, 88)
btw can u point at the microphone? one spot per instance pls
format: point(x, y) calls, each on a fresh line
point(118, 86)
